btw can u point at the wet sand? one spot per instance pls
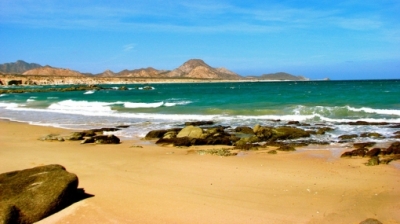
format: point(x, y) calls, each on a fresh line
point(139, 182)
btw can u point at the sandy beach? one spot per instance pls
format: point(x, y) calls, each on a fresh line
point(139, 182)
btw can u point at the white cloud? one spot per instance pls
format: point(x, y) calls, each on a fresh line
point(129, 47)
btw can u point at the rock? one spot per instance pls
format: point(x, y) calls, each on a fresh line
point(264, 133)
point(30, 195)
point(286, 148)
point(170, 134)
point(373, 152)
point(256, 128)
point(190, 132)
point(394, 148)
point(371, 135)
point(123, 126)
point(348, 137)
point(123, 88)
point(272, 152)
point(185, 141)
point(106, 139)
point(293, 123)
point(373, 161)
point(323, 130)
point(244, 130)
point(284, 133)
point(75, 136)
point(367, 123)
point(356, 152)
point(370, 221)
point(87, 140)
point(155, 134)
point(198, 123)
point(363, 144)
point(52, 137)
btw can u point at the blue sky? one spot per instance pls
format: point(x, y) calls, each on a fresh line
point(348, 39)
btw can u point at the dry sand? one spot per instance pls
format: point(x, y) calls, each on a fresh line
point(156, 184)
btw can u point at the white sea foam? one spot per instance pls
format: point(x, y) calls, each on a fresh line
point(8, 105)
point(89, 92)
point(3, 95)
point(143, 105)
point(81, 107)
point(30, 100)
point(375, 111)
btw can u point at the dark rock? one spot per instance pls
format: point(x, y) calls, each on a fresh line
point(346, 155)
point(370, 221)
point(322, 131)
point(373, 161)
point(293, 123)
point(371, 135)
point(348, 137)
point(286, 148)
point(75, 136)
point(170, 134)
point(284, 133)
point(123, 126)
point(263, 133)
point(198, 123)
point(367, 123)
point(272, 152)
point(30, 195)
point(373, 152)
point(15, 82)
point(394, 148)
point(245, 130)
point(155, 134)
point(356, 152)
point(123, 88)
point(88, 140)
point(395, 126)
point(106, 139)
point(363, 144)
point(52, 137)
point(185, 141)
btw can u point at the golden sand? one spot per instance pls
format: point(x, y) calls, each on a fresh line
point(140, 182)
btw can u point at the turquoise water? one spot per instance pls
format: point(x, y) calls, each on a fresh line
point(327, 103)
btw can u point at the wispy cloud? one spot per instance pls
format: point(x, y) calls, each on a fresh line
point(129, 47)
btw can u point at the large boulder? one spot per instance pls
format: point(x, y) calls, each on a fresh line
point(190, 132)
point(106, 139)
point(394, 148)
point(27, 196)
point(244, 130)
point(155, 134)
point(283, 133)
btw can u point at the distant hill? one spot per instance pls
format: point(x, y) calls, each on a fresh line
point(194, 68)
point(280, 76)
point(18, 67)
point(138, 73)
point(50, 71)
point(191, 69)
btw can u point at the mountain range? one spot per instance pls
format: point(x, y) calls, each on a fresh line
point(192, 69)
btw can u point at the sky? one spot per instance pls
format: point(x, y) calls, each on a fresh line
point(349, 39)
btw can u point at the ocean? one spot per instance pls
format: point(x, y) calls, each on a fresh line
point(317, 103)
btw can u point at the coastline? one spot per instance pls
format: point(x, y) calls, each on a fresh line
point(140, 182)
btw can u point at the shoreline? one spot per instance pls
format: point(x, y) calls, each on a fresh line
point(138, 182)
